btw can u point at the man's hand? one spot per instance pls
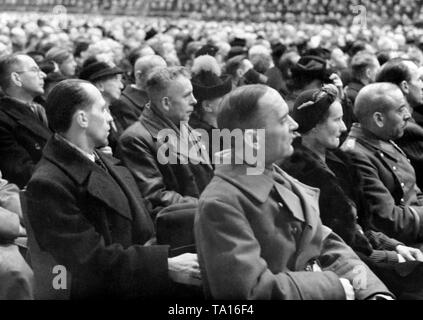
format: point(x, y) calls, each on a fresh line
point(348, 288)
point(409, 254)
point(185, 269)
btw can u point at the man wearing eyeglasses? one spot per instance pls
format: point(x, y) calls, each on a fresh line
point(23, 125)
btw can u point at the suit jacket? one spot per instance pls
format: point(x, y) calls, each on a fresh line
point(22, 138)
point(95, 224)
point(396, 213)
point(254, 241)
point(412, 144)
point(161, 184)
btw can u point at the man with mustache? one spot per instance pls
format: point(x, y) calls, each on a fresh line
point(86, 211)
point(408, 77)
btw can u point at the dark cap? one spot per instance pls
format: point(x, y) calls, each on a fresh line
point(98, 70)
point(207, 85)
point(207, 49)
point(311, 106)
point(310, 66)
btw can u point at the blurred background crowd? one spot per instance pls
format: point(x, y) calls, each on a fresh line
point(104, 29)
point(290, 46)
point(335, 11)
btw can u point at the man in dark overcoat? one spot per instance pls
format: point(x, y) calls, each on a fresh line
point(86, 210)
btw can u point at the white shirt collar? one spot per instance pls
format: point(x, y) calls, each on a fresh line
point(91, 156)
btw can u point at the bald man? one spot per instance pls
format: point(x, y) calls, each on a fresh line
point(407, 76)
point(131, 103)
point(395, 202)
point(23, 124)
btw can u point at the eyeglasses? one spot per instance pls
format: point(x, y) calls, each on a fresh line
point(34, 69)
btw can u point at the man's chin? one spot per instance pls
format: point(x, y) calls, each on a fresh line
point(102, 144)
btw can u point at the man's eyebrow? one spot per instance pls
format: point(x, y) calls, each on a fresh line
point(284, 116)
point(187, 93)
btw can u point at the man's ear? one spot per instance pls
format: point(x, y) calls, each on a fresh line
point(137, 75)
point(166, 104)
point(81, 119)
point(404, 87)
point(368, 73)
point(16, 79)
point(379, 119)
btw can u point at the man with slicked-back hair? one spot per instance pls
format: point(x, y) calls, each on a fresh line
point(86, 210)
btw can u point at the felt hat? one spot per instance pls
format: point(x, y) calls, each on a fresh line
point(98, 70)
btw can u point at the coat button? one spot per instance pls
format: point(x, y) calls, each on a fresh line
point(402, 185)
point(381, 154)
point(280, 204)
point(37, 146)
point(294, 230)
point(402, 200)
point(394, 168)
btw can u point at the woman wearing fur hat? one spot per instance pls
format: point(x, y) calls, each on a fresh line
point(209, 88)
point(317, 162)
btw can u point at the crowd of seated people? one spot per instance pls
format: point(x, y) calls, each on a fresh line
point(310, 11)
point(107, 136)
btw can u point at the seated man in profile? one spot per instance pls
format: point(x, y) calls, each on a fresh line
point(389, 181)
point(165, 183)
point(258, 231)
point(86, 210)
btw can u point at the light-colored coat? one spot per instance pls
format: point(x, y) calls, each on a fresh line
point(255, 242)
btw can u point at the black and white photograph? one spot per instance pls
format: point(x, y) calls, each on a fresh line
point(211, 154)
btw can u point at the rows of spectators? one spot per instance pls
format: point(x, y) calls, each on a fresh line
point(339, 12)
point(84, 104)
